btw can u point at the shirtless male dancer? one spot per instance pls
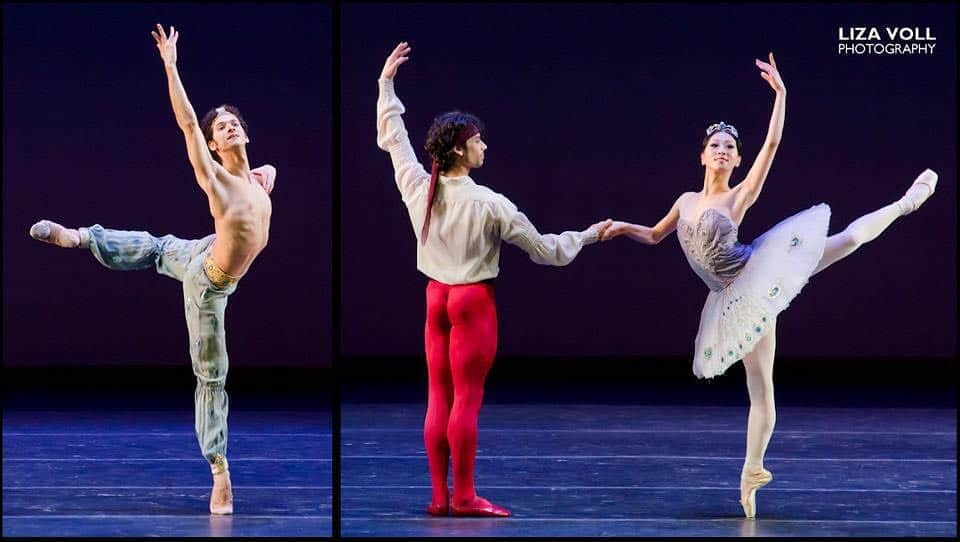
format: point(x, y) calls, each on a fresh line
point(209, 268)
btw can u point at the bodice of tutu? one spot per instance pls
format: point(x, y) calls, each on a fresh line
point(712, 249)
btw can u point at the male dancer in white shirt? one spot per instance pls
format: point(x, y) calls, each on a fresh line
point(459, 225)
point(209, 267)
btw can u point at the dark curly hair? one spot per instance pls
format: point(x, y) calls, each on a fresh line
point(206, 125)
point(442, 134)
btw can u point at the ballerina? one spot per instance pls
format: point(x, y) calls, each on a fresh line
point(751, 284)
point(459, 226)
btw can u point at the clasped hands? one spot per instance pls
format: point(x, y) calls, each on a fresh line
point(609, 228)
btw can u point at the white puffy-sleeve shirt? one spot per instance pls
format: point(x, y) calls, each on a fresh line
point(468, 220)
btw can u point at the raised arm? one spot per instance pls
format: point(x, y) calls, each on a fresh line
point(646, 234)
point(203, 164)
point(392, 134)
point(749, 189)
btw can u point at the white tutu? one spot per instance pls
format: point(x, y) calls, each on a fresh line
point(735, 318)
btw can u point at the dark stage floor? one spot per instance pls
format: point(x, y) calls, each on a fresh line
point(660, 470)
point(115, 471)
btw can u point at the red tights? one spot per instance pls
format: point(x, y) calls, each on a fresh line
point(461, 342)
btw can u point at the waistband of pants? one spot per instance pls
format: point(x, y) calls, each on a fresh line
point(489, 282)
point(220, 278)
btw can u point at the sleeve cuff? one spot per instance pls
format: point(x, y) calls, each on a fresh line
point(386, 86)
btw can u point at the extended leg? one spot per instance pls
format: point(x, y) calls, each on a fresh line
point(122, 250)
point(439, 395)
point(473, 345)
point(183, 260)
point(868, 227)
point(762, 418)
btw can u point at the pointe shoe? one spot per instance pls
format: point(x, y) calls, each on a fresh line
point(55, 234)
point(921, 189)
point(479, 508)
point(443, 509)
point(751, 482)
point(221, 496)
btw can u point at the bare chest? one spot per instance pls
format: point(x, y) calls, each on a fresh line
point(693, 206)
point(242, 198)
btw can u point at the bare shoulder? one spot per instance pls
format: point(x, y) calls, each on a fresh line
point(225, 180)
point(687, 198)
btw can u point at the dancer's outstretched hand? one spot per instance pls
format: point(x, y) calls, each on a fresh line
point(771, 75)
point(616, 229)
point(600, 227)
point(397, 57)
point(167, 45)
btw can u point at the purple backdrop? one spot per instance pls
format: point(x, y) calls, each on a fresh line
point(598, 111)
point(89, 136)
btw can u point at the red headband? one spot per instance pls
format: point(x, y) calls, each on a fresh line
point(465, 133)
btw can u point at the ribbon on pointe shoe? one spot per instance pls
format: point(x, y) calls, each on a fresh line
point(758, 478)
point(921, 189)
point(755, 480)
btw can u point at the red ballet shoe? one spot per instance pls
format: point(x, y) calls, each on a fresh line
point(479, 508)
point(435, 509)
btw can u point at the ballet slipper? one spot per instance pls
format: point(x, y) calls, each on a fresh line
point(440, 509)
point(921, 189)
point(479, 508)
point(55, 234)
point(221, 496)
point(750, 482)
